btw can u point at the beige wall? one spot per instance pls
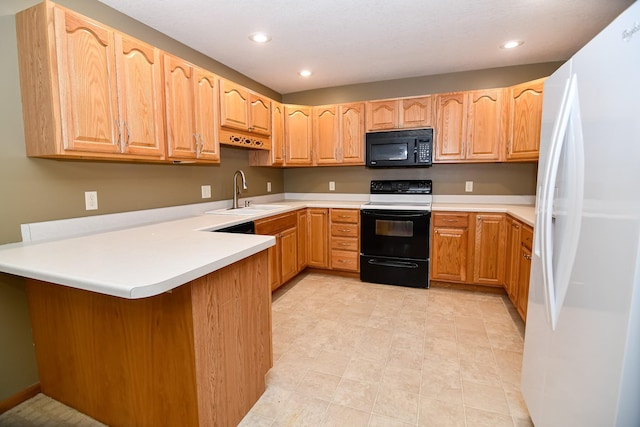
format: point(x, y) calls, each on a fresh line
point(39, 189)
point(467, 80)
point(498, 179)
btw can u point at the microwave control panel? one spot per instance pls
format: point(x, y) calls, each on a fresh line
point(423, 151)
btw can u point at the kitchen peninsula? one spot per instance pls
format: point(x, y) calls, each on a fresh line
point(164, 324)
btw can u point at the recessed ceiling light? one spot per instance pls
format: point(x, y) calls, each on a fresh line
point(511, 44)
point(305, 73)
point(259, 37)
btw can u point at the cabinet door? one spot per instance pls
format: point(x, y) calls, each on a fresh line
point(139, 97)
point(234, 105)
point(297, 127)
point(382, 115)
point(523, 281)
point(318, 237)
point(179, 108)
point(488, 262)
point(512, 260)
point(485, 131)
point(416, 112)
point(451, 130)
point(86, 73)
point(288, 254)
point(260, 114)
point(206, 113)
point(352, 133)
point(449, 254)
point(525, 120)
point(274, 265)
point(303, 239)
point(325, 134)
point(277, 134)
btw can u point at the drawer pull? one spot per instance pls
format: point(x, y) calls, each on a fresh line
point(527, 257)
point(344, 230)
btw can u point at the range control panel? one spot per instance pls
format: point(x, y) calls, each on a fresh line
point(401, 186)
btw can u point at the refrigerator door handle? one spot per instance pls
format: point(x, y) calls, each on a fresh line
point(567, 139)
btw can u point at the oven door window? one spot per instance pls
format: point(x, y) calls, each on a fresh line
point(392, 228)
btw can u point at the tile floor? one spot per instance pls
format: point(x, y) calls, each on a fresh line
point(352, 354)
point(348, 353)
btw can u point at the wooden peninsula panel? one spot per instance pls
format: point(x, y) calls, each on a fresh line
point(194, 356)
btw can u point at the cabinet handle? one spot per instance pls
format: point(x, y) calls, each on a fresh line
point(201, 143)
point(195, 136)
point(450, 220)
point(527, 257)
point(126, 127)
point(343, 216)
point(345, 231)
point(344, 244)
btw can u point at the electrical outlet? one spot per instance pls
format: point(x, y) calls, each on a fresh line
point(206, 191)
point(91, 200)
point(332, 186)
point(268, 186)
point(468, 186)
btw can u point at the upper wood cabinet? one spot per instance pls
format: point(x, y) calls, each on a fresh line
point(470, 126)
point(399, 113)
point(352, 117)
point(87, 90)
point(338, 134)
point(326, 126)
point(191, 106)
point(298, 135)
point(525, 118)
point(245, 111)
point(276, 155)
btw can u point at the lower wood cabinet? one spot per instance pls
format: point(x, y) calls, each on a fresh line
point(497, 253)
point(283, 257)
point(318, 237)
point(450, 246)
point(303, 239)
point(470, 258)
point(345, 235)
point(488, 253)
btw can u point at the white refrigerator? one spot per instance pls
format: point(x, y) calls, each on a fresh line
point(581, 364)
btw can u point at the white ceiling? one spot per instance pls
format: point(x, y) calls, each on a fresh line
point(357, 41)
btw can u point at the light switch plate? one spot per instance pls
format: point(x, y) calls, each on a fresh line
point(268, 186)
point(206, 191)
point(468, 186)
point(332, 186)
point(91, 200)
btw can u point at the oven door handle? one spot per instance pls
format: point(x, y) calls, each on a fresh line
point(396, 213)
point(387, 263)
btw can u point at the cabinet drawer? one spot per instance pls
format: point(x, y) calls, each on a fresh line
point(526, 236)
point(345, 215)
point(344, 230)
point(344, 243)
point(344, 260)
point(450, 220)
point(276, 224)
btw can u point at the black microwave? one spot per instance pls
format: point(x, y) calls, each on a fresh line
point(400, 148)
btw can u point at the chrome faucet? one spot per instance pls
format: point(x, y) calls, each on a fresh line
point(236, 190)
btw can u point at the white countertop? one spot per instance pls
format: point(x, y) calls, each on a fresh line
point(147, 260)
